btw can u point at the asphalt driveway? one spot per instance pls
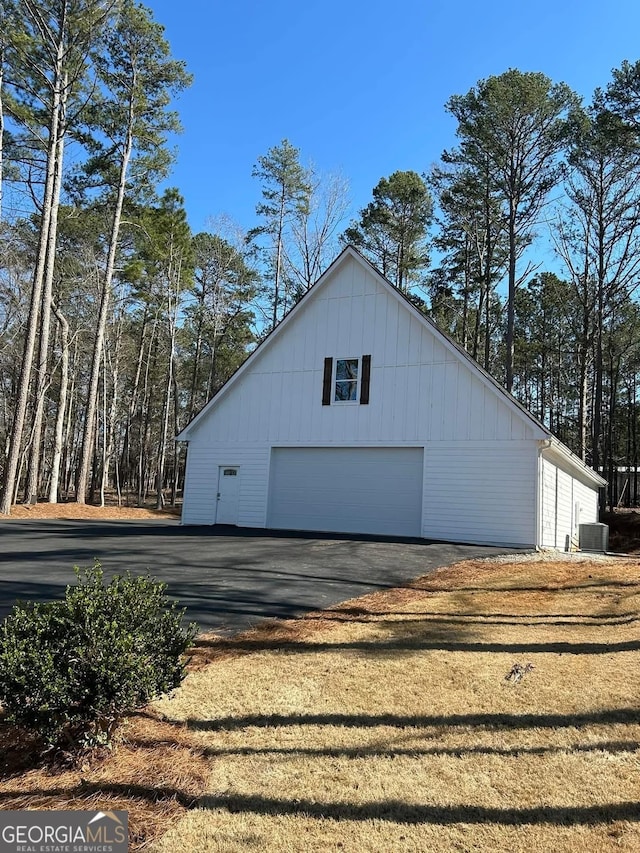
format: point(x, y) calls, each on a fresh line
point(227, 578)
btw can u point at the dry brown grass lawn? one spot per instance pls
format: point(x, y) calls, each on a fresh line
point(387, 724)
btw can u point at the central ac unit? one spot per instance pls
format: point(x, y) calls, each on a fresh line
point(594, 537)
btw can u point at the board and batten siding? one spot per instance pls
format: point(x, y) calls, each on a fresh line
point(561, 491)
point(480, 492)
point(421, 388)
point(201, 483)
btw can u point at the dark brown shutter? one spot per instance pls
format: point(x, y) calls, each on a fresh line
point(366, 379)
point(326, 382)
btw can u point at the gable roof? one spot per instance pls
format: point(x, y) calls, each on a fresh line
point(349, 252)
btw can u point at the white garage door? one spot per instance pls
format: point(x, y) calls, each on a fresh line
point(347, 489)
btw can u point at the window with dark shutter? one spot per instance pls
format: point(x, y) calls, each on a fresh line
point(326, 381)
point(366, 379)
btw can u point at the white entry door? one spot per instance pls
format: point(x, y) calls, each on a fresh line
point(228, 494)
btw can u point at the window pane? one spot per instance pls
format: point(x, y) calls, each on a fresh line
point(347, 368)
point(346, 390)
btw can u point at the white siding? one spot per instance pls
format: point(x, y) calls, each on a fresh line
point(561, 490)
point(202, 483)
point(564, 511)
point(480, 492)
point(588, 498)
point(548, 504)
point(421, 389)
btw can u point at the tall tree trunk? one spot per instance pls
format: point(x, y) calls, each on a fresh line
point(627, 455)
point(173, 277)
point(487, 267)
point(62, 404)
point(511, 300)
point(599, 329)
point(634, 440)
point(400, 277)
point(110, 419)
point(162, 449)
point(610, 449)
point(90, 416)
point(542, 386)
point(465, 295)
point(42, 375)
point(487, 330)
point(276, 291)
point(2, 49)
point(176, 446)
point(196, 357)
point(69, 442)
point(133, 401)
point(583, 392)
point(143, 451)
point(44, 237)
point(478, 323)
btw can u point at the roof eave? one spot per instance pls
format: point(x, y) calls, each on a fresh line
point(576, 462)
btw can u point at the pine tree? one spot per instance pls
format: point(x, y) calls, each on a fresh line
point(286, 189)
point(392, 229)
point(517, 124)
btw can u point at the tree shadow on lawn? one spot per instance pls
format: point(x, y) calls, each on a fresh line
point(395, 811)
point(611, 716)
point(614, 747)
point(425, 630)
point(427, 585)
point(398, 811)
point(85, 790)
point(165, 802)
point(357, 614)
point(413, 643)
point(347, 613)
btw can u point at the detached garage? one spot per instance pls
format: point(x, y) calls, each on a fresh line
point(358, 415)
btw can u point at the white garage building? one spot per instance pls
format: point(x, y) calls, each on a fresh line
point(358, 415)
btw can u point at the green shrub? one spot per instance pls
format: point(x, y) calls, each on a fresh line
point(70, 669)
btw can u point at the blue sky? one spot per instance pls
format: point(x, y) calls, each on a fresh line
point(359, 87)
